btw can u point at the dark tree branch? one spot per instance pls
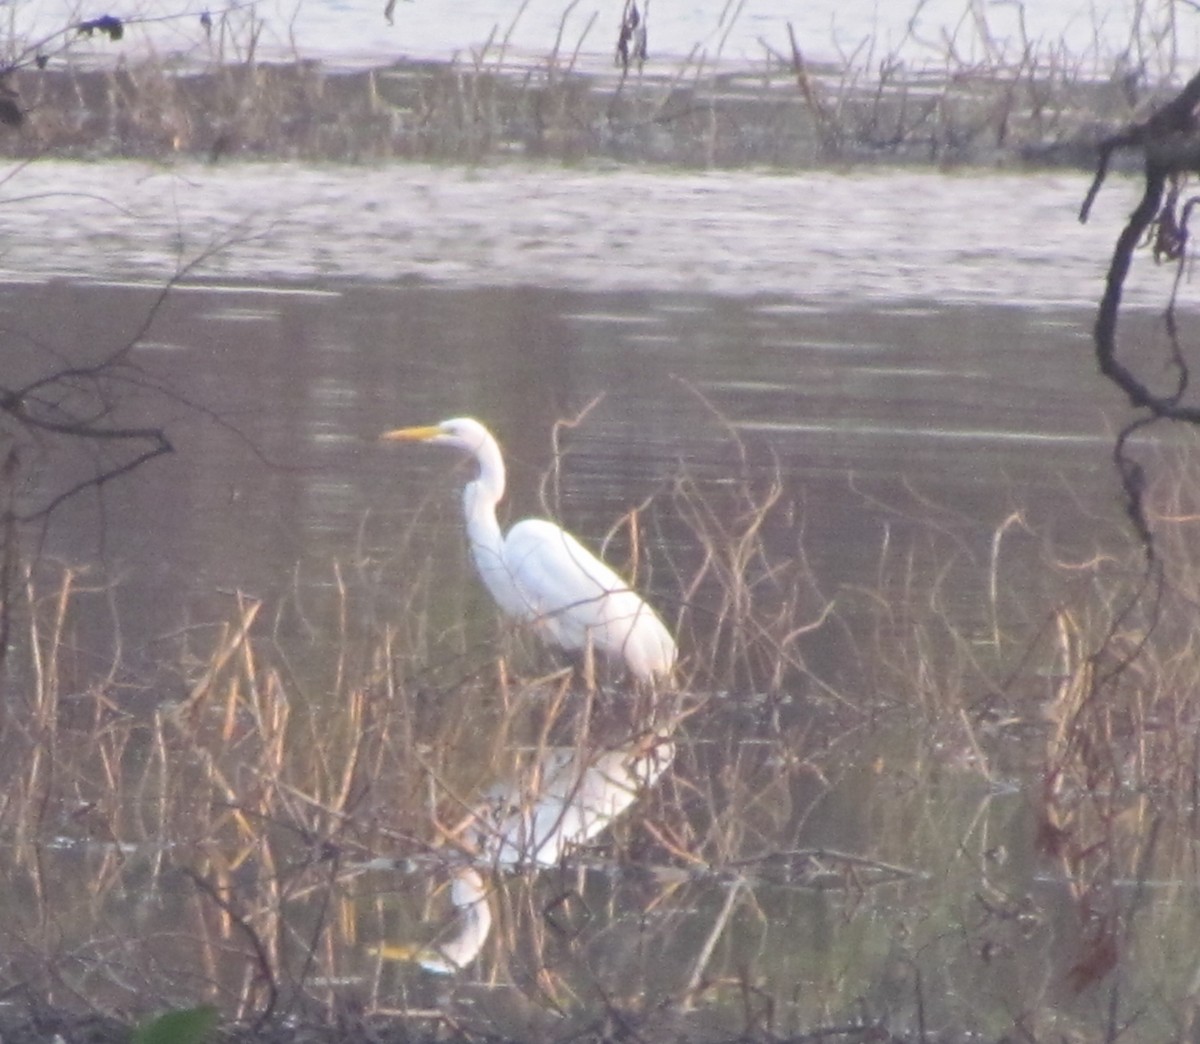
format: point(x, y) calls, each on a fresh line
point(1163, 137)
point(1169, 141)
point(70, 411)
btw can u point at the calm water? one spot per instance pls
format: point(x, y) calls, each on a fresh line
point(912, 385)
point(876, 417)
point(879, 368)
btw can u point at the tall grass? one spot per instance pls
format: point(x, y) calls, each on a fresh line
point(250, 837)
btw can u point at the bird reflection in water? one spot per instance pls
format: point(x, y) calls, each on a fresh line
point(461, 944)
point(560, 801)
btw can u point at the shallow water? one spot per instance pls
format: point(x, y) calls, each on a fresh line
point(878, 366)
point(909, 382)
point(877, 419)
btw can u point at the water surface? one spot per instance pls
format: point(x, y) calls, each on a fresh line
point(814, 239)
point(908, 382)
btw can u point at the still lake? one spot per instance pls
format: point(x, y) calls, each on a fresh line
point(906, 356)
point(881, 356)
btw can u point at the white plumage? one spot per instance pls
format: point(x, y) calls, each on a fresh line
point(558, 800)
point(542, 575)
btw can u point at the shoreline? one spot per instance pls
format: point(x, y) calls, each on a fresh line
point(780, 115)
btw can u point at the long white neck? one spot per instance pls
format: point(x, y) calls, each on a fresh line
point(480, 498)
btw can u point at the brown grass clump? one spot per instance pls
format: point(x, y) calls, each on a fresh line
point(254, 810)
point(257, 830)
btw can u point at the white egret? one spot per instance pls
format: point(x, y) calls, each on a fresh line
point(540, 574)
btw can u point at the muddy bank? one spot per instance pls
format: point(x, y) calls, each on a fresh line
point(779, 115)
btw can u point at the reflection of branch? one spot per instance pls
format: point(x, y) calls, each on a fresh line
point(320, 923)
point(162, 445)
point(718, 929)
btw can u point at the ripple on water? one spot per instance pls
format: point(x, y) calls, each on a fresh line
point(808, 238)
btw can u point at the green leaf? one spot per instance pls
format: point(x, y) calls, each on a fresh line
point(186, 1026)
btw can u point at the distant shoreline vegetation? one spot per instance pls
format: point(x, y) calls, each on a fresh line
point(783, 113)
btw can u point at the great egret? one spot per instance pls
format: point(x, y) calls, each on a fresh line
point(541, 574)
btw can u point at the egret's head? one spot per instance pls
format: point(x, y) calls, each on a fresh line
point(461, 432)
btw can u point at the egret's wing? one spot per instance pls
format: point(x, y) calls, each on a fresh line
point(574, 598)
point(565, 586)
